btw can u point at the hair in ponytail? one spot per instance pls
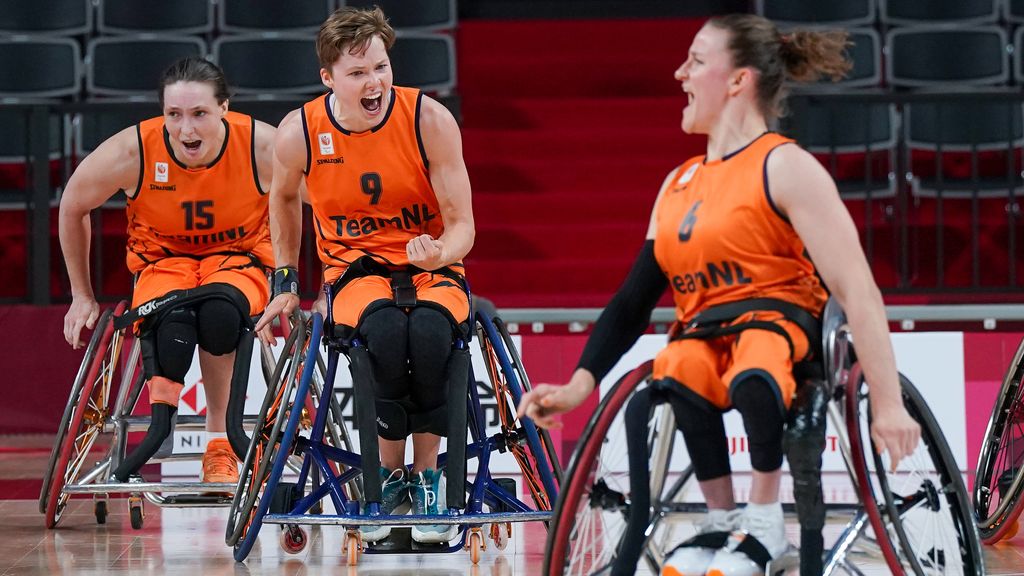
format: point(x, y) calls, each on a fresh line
point(799, 55)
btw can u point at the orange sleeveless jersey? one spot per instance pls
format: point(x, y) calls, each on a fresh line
point(721, 239)
point(180, 211)
point(370, 191)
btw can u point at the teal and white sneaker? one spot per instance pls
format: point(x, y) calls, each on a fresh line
point(429, 497)
point(394, 502)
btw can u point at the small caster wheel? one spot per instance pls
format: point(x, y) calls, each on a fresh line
point(501, 533)
point(294, 539)
point(100, 509)
point(135, 512)
point(353, 547)
point(475, 543)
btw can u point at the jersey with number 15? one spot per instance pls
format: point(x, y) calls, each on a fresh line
point(214, 209)
point(370, 191)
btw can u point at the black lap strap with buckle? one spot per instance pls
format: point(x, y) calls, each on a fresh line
point(719, 321)
point(402, 290)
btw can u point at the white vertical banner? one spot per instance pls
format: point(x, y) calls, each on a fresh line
point(193, 401)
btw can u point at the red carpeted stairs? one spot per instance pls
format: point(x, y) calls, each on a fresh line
point(569, 128)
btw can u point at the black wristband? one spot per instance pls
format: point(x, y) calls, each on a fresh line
point(284, 281)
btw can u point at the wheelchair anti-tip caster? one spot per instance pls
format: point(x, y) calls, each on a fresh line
point(500, 533)
point(294, 539)
point(353, 546)
point(136, 511)
point(475, 543)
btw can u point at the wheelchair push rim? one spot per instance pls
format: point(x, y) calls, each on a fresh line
point(920, 513)
point(536, 457)
point(274, 458)
point(263, 470)
point(524, 382)
point(567, 537)
point(84, 415)
point(999, 477)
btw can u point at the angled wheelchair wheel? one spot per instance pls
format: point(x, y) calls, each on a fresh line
point(524, 382)
point(592, 509)
point(920, 513)
point(274, 433)
point(999, 481)
point(84, 415)
point(532, 447)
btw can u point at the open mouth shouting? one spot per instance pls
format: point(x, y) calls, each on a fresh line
point(192, 147)
point(372, 104)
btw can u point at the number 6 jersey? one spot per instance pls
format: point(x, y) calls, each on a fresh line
point(197, 212)
point(370, 191)
point(720, 238)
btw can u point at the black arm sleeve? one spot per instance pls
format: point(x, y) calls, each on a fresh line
point(627, 316)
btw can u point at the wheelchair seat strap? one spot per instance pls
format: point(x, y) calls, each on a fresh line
point(718, 321)
point(159, 306)
point(402, 290)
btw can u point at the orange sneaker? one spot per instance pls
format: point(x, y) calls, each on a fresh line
point(219, 462)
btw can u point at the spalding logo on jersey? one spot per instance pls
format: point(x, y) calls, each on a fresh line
point(326, 143)
point(161, 172)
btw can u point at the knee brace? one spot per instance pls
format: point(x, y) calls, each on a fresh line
point(175, 344)
point(756, 399)
point(430, 359)
point(385, 334)
point(392, 418)
point(219, 326)
point(704, 433)
point(430, 345)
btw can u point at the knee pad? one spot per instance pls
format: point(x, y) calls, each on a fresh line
point(392, 419)
point(175, 342)
point(704, 433)
point(433, 420)
point(219, 326)
point(385, 332)
point(756, 399)
point(430, 353)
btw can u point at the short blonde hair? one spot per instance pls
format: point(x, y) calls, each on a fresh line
point(352, 29)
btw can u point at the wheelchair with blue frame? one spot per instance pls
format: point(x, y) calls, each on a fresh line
point(333, 473)
point(93, 454)
point(917, 518)
point(999, 479)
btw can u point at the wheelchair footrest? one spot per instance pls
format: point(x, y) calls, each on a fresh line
point(196, 500)
point(400, 542)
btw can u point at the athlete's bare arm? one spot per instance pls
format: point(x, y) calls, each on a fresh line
point(113, 166)
point(286, 206)
point(442, 142)
point(802, 189)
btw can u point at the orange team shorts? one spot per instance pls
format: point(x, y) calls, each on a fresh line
point(182, 273)
point(356, 296)
point(710, 367)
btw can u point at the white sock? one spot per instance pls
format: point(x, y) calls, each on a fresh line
point(770, 510)
point(212, 435)
point(717, 520)
point(775, 541)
